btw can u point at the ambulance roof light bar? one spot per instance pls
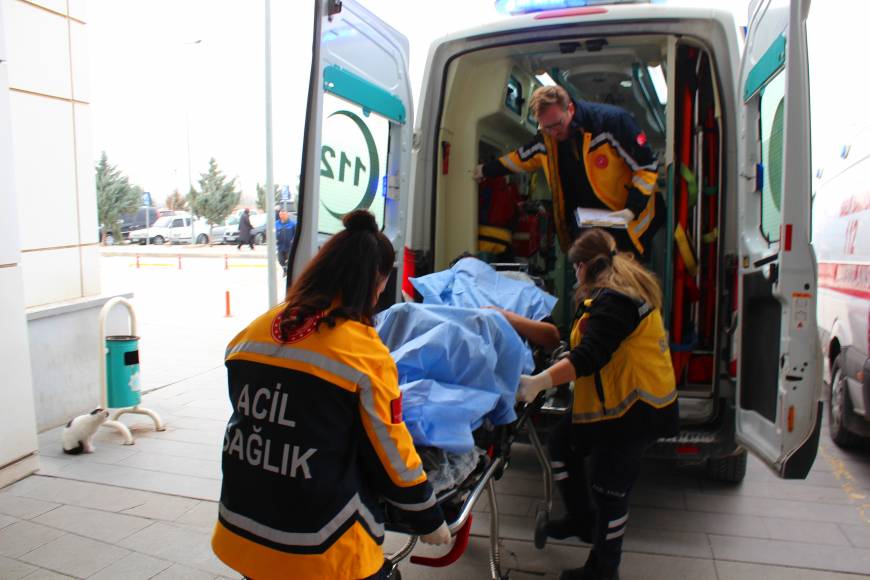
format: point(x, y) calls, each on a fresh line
point(515, 7)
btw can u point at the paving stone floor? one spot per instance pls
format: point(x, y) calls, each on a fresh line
point(146, 511)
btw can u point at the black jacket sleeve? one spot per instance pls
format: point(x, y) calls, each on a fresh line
point(612, 318)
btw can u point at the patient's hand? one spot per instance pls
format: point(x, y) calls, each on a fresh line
point(511, 316)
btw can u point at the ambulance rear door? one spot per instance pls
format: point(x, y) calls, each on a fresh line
point(778, 408)
point(358, 128)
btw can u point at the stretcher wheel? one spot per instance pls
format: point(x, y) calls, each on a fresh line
point(542, 518)
point(396, 575)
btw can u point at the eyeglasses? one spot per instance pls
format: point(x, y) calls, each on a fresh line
point(552, 126)
point(557, 125)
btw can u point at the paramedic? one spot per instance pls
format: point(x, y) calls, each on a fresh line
point(624, 397)
point(594, 156)
point(316, 435)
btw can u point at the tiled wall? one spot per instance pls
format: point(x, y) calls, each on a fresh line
point(51, 141)
point(18, 427)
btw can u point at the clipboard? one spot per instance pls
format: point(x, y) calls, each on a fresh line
point(588, 217)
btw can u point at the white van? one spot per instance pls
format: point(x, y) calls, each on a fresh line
point(728, 124)
point(841, 237)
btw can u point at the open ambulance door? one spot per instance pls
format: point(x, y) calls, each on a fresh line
point(778, 407)
point(358, 129)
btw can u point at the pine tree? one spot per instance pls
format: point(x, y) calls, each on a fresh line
point(115, 196)
point(176, 202)
point(216, 196)
point(261, 196)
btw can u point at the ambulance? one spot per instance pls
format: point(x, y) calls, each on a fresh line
point(729, 125)
point(841, 238)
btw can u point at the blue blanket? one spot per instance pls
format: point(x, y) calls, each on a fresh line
point(472, 283)
point(457, 367)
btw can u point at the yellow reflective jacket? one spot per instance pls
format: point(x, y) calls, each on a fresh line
point(639, 370)
point(618, 163)
point(315, 440)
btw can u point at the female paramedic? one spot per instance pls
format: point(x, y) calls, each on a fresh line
point(624, 398)
point(316, 436)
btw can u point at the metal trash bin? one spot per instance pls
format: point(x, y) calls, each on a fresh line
point(122, 371)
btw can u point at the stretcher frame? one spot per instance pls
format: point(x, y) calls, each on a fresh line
point(460, 527)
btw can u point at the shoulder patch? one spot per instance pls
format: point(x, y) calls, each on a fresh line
point(298, 334)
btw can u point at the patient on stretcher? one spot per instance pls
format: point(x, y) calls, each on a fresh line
point(459, 362)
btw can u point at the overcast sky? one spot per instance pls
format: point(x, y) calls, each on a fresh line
point(152, 84)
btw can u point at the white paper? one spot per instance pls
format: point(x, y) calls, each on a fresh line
point(593, 217)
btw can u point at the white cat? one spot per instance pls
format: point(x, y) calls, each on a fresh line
point(79, 432)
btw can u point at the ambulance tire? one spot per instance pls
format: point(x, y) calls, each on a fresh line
point(840, 409)
point(731, 469)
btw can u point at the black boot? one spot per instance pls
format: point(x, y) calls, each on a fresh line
point(568, 528)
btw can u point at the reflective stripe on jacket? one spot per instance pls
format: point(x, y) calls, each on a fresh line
point(618, 164)
point(315, 439)
point(639, 370)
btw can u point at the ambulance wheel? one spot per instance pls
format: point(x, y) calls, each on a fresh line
point(731, 469)
point(542, 518)
point(840, 408)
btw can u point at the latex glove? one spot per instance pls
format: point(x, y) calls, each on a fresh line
point(477, 173)
point(439, 536)
point(530, 386)
point(624, 214)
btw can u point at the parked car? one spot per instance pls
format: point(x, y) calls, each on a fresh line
point(158, 233)
point(230, 224)
point(258, 231)
point(169, 229)
point(180, 234)
point(142, 217)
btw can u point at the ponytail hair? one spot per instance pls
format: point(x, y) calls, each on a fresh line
point(342, 280)
point(607, 268)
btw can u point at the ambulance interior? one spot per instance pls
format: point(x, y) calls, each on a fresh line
point(485, 114)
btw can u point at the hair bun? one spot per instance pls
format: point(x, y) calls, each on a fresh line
point(360, 220)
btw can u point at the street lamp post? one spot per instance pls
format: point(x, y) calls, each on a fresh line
point(271, 270)
point(187, 127)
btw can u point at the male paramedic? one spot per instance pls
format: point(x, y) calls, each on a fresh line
point(594, 156)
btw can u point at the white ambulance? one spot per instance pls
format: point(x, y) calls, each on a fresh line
point(841, 238)
point(730, 127)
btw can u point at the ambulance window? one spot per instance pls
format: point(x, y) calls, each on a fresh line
point(353, 162)
point(657, 76)
point(514, 95)
point(530, 118)
point(772, 103)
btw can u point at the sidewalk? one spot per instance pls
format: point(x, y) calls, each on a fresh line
point(185, 250)
point(146, 511)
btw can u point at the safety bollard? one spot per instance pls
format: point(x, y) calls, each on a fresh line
point(226, 263)
point(179, 261)
point(228, 305)
point(137, 261)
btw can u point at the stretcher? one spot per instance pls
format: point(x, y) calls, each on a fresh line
point(458, 502)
